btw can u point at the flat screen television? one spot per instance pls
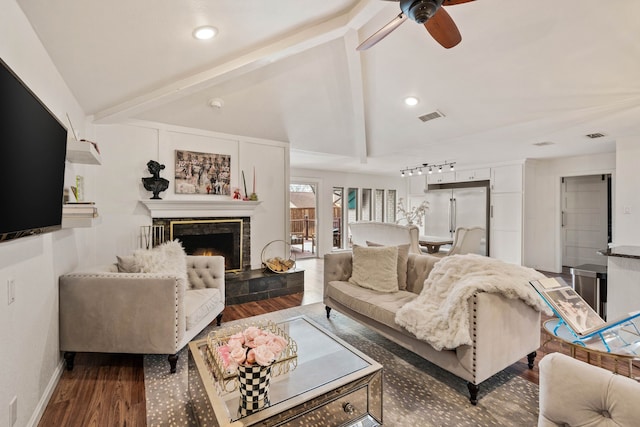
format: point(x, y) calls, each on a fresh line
point(33, 146)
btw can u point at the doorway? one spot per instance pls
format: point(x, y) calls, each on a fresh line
point(303, 207)
point(586, 219)
point(337, 217)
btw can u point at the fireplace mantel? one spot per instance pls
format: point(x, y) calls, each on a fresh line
point(200, 208)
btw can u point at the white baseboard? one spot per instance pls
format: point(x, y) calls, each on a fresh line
point(48, 392)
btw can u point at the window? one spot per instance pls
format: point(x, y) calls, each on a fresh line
point(391, 206)
point(352, 207)
point(378, 206)
point(365, 213)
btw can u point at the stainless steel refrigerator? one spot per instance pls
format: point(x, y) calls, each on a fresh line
point(452, 206)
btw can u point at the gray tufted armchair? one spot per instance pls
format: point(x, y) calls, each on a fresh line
point(104, 311)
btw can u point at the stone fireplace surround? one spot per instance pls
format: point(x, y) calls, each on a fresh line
point(211, 212)
point(244, 285)
point(229, 237)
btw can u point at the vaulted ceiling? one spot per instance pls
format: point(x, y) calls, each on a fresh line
point(526, 72)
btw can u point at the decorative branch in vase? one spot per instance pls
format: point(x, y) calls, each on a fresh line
point(413, 215)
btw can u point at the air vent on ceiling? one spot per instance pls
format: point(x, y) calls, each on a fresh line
point(435, 115)
point(543, 143)
point(595, 135)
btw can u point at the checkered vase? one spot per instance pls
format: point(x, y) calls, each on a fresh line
point(254, 388)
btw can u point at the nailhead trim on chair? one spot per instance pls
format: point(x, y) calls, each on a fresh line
point(176, 318)
point(119, 275)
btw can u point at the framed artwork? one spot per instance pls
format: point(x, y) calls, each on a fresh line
point(203, 173)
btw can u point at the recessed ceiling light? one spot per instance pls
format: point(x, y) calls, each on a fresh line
point(411, 101)
point(216, 103)
point(205, 33)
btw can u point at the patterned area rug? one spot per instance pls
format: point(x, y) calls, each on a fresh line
point(416, 393)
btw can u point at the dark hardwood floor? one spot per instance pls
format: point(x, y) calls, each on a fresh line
point(108, 389)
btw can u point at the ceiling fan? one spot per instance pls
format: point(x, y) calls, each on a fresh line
point(428, 12)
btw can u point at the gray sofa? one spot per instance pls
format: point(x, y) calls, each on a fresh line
point(104, 311)
point(574, 393)
point(503, 330)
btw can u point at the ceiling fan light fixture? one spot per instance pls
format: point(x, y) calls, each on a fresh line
point(411, 101)
point(205, 32)
point(421, 10)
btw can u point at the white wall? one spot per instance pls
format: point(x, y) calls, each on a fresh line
point(126, 149)
point(542, 235)
point(623, 273)
point(627, 192)
point(30, 360)
point(326, 180)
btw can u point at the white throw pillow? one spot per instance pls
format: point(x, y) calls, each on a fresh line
point(168, 257)
point(127, 264)
point(403, 260)
point(375, 268)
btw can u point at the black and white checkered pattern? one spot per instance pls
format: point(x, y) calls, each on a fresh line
point(254, 388)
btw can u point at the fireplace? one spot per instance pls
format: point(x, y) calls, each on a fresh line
point(228, 237)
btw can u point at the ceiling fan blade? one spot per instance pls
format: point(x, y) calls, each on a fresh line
point(454, 2)
point(382, 32)
point(443, 29)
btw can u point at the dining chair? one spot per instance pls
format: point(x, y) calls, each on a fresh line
point(466, 240)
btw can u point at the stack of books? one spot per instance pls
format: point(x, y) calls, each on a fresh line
point(79, 210)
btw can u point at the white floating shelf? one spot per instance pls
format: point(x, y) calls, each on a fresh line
point(82, 152)
point(80, 222)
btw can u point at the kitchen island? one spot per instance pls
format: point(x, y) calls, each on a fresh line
point(623, 279)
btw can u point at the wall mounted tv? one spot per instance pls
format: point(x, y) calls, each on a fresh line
point(33, 146)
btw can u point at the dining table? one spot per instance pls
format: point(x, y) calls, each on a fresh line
point(433, 243)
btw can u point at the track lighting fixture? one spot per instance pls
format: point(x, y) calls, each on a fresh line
point(428, 166)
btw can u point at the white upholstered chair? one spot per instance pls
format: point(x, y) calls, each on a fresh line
point(575, 393)
point(105, 311)
point(384, 233)
point(465, 241)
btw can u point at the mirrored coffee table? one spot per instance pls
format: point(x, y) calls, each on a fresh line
point(332, 384)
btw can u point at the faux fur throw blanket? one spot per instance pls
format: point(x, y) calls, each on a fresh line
point(440, 314)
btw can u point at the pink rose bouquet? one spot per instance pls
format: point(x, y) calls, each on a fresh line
point(251, 346)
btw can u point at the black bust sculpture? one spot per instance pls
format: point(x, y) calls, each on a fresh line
point(154, 183)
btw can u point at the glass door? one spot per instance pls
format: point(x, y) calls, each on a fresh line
point(302, 207)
